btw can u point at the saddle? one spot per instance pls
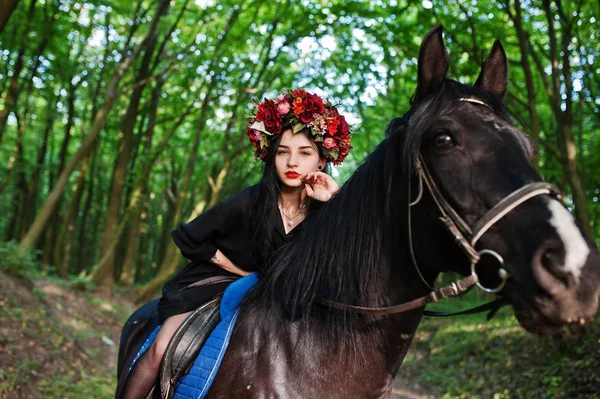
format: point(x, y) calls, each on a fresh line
point(182, 352)
point(185, 346)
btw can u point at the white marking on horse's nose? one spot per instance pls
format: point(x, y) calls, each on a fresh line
point(576, 249)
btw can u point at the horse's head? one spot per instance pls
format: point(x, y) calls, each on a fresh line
point(477, 158)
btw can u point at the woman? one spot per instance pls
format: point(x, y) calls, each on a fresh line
point(296, 135)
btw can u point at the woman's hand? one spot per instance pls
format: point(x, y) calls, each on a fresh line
point(223, 262)
point(320, 186)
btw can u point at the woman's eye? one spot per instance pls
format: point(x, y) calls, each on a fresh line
point(281, 152)
point(305, 153)
point(443, 141)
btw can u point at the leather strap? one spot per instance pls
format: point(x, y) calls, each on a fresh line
point(211, 280)
point(509, 203)
point(186, 344)
point(452, 290)
point(466, 237)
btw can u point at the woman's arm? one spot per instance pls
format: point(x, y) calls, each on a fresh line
point(198, 239)
point(223, 262)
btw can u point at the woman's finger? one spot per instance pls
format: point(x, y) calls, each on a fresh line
point(309, 190)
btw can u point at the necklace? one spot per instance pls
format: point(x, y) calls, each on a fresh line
point(290, 221)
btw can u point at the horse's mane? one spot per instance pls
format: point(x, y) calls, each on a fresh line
point(342, 254)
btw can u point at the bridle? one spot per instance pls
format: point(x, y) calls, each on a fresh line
point(465, 236)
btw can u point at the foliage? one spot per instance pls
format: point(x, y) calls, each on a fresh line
point(186, 115)
point(17, 262)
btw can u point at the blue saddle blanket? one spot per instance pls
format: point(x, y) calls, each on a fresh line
point(197, 381)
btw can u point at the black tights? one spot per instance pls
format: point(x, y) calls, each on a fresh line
point(142, 376)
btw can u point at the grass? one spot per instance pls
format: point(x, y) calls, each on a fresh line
point(87, 385)
point(467, 357)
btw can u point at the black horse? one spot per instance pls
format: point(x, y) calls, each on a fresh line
point(321, 322)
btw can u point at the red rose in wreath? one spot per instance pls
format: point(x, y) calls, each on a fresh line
point(268, 114)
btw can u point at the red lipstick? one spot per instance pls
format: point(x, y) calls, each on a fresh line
point(292, 175)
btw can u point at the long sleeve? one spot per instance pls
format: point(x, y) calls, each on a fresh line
point(196, 239)
point(223, 227)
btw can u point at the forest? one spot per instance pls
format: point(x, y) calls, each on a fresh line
point(119, 119)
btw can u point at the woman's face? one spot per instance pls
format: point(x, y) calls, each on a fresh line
point(296, 156)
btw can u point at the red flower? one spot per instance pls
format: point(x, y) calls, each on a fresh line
point(332, 125)
point(312, 105)
point(342, 154)
point(298, 107)
point(302, 94)
point(343, 129)
point(252, 136)
point(306, 105)
point(267, 113)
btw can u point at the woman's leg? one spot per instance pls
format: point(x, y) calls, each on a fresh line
point(142, 376)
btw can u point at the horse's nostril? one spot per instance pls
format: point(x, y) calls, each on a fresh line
point(550, 261)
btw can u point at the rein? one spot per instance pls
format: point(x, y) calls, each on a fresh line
point(465, 237)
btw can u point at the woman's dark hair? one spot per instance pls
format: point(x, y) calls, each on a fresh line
point(265, 202)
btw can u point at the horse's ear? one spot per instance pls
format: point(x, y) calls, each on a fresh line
point(494, 73)
point(433, 62)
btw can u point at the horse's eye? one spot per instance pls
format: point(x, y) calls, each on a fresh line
point(443, 141)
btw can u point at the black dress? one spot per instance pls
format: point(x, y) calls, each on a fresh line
point(226, 227)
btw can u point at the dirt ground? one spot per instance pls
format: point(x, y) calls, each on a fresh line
point(59, 342)
point(56, 341)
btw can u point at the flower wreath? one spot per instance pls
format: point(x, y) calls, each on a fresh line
point(299, 110)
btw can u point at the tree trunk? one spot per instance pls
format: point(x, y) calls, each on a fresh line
point(64, 148)
point(32, 189)
point(23, 118)
point(13, 90)
point(171, 260)
point(164, 239)
point(84, 253)
point(104, 275)
point(52, 227)
point(20, 184)
point(82, 228)
point(534, 124)
point(564, 118)
point(146, 169)
point(139, 215)
point(573, 170)
point(6, 9)
point(110, 98)
point(44, 245)
point(64, 241)
point(128, 271)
